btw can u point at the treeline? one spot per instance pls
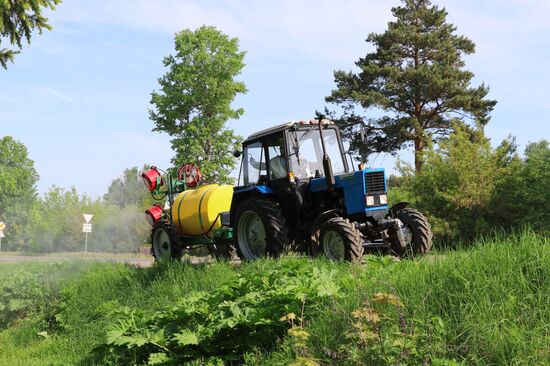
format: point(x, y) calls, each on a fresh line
point(467, 188)
point(53, 222)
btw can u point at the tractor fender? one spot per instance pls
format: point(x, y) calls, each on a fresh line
point(243, 194)
point(322, 218)
point(397, 207)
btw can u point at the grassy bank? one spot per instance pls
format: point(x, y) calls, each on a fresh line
point(485, 306)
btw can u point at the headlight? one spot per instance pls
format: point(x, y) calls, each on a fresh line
point(370, 200)
point(383, 199)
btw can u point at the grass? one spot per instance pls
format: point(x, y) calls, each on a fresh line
point(491, 303)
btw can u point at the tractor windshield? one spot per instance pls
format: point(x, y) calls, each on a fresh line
point(309, 160)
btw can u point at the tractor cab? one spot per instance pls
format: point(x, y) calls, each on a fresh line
point(290, 152)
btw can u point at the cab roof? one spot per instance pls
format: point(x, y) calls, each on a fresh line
point(284, 126)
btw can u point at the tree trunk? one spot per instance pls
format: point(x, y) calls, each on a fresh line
point(418, 149)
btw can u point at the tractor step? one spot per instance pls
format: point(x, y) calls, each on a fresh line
point(375, 245)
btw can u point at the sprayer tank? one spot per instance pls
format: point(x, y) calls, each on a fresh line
point(197, 211)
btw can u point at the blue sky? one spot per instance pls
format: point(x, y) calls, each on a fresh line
point(78, 96)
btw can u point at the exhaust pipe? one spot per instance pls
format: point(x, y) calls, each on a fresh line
point(327, 164)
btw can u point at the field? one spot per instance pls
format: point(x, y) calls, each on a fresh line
point(488, 305)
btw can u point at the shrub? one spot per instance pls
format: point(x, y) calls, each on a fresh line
point(236, 318)
point(467, 188)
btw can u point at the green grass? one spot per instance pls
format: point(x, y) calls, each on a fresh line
point(491, 304)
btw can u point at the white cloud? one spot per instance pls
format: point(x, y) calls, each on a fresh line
point(324, 28)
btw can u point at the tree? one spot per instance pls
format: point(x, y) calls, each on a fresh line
point(17, 188)
point(194, 102)
point(128, 190)
point(416, 74)
point(18, 19)
point(522, 196)
point(456, 186)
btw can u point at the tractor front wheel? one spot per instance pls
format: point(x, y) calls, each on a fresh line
point(340, 240)
point(163, 243)
point(417, 232)
point(260, 229)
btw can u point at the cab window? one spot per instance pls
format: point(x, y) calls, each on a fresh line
point(253, 163)
point(277, 161)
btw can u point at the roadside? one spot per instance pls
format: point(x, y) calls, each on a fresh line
point(139, 260)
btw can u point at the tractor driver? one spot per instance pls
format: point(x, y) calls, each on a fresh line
point(277, 164)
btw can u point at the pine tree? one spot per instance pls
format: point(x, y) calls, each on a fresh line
point(416, 77)
point(18, 19)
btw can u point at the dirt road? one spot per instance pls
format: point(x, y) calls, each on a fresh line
point(137, 261)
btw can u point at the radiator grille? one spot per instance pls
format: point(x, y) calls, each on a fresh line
point(375, 182)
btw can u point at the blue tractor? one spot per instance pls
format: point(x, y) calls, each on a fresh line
point(296, 192)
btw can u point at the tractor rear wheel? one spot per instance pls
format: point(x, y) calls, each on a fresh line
point(260, 229)
point(164, 243)
point(417, 231)
point(340, 240)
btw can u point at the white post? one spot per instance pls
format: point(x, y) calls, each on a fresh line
point(86, 244)
point(0, 244)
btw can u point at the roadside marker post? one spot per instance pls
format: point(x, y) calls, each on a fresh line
point(87, 228)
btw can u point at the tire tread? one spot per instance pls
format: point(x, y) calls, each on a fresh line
point(352, 237)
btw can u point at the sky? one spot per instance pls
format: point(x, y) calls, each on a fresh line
point(78, 96)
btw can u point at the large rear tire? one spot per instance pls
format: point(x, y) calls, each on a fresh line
point(164, 245)
point(260, 229)
point(340, 240)
point(417, 231)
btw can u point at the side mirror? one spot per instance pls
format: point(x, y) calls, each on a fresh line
point(237, 153)
point(364, 134)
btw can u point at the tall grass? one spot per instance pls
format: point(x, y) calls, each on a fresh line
point(493, 302)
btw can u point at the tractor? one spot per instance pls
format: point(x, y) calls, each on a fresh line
point(295, 192)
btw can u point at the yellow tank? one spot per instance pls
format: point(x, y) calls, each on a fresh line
point(195, 211)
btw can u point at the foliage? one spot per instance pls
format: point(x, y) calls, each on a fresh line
point(54, 221)
point(456, 185)
point(467, 188)
point(235, 318)
point(57, 221)
point(194, 102)
point(56, 224)
point(521, 195)
point(20, 294)
point(382, 334)
point(28, 290)
point(18, 19)
point(17, 189)
point(491, 299)
point(416, 73)
point(128, 190)
point(120, 230)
